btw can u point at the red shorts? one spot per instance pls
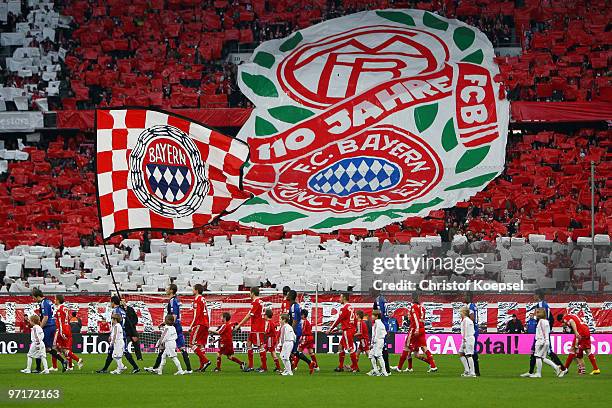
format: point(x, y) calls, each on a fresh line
point(347, 343)
point(270, 344)
point(364, 345)
point(226, 349)
point(199, 335)
point(61, 343)
point(307, 343)
point(256, 339)
point(584, 343)
point(417, 340)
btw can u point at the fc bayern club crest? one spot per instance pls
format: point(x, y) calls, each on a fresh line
point(167, 173)
point(370, 118)
point(381, 166)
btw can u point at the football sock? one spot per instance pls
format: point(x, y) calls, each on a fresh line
point(385, 357)
point(236, 360)
point(137, 350)
point(158, 359)
point(354, 361)
point(287, 365)
point(303, 357)
point(201, 356)
point(539, 366)
point(107, 363)
point(44, 364)
point(430, 359)
point(470, 362)
point(186, 360)
point(410, 363)
point(403, 358)
point(550, 363)
point(476, 365)
point(381, 363)
point(341, 359)
point(56, 355)
point(466, 367)
point(29, 364)
point(53, 361)
point(568, 362)
point(532, 363)
point(277, 363)
point(218, 362)
point(250, 356)
point(177, 363)
point(38, 362)
point(119, 362)
point(555, 358)
point(130, 359)
point(314, 358)
point(374, 365)
point(73, 356)
point(593, 361)
point(294, 361)
point(264, 360)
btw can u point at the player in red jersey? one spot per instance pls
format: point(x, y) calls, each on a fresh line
point(286, 303)
point(198, 338)
point(346, 320)
point(416, 339)
point(256, 336)
point(362, 335)
point(271, 339)
point(63, 335)
point(307, 345)
point(582, 341)
point(226, 342)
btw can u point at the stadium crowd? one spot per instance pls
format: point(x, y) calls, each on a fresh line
point(176, 51)
point(79, 54)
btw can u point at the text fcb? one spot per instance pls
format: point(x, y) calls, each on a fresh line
point(381, 166)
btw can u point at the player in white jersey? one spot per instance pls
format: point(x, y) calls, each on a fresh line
point(379, 332)
point(285, 343)
point(542, 344)
point(167, 343)
point(468, 341)
point(37, 346)
point(117, 343)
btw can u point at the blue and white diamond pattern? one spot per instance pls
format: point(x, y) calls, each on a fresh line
point(169, 183)
point(356, 174)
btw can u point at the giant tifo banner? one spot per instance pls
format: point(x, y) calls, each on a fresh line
point(441, 312)
point(370, 118)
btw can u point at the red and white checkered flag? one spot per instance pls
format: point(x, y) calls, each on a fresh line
point(159, 171)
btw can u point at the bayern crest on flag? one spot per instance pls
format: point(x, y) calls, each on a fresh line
point(157, 170)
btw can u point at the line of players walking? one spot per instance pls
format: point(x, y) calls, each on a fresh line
point(291, 341)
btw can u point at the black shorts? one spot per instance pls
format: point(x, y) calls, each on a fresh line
point(130, 332)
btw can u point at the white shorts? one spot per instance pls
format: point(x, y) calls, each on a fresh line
point(170, 349)
point(467, 345)
point(37, 352)
point(541, 349)
point(118, 349)
point(286, 350)
point(376, 349)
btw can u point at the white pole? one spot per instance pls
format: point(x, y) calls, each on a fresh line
point(316, 313)
point(593, 226)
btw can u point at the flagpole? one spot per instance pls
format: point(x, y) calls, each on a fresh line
point(110, 269)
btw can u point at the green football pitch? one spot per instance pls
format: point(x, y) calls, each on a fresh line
point(499, 386)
